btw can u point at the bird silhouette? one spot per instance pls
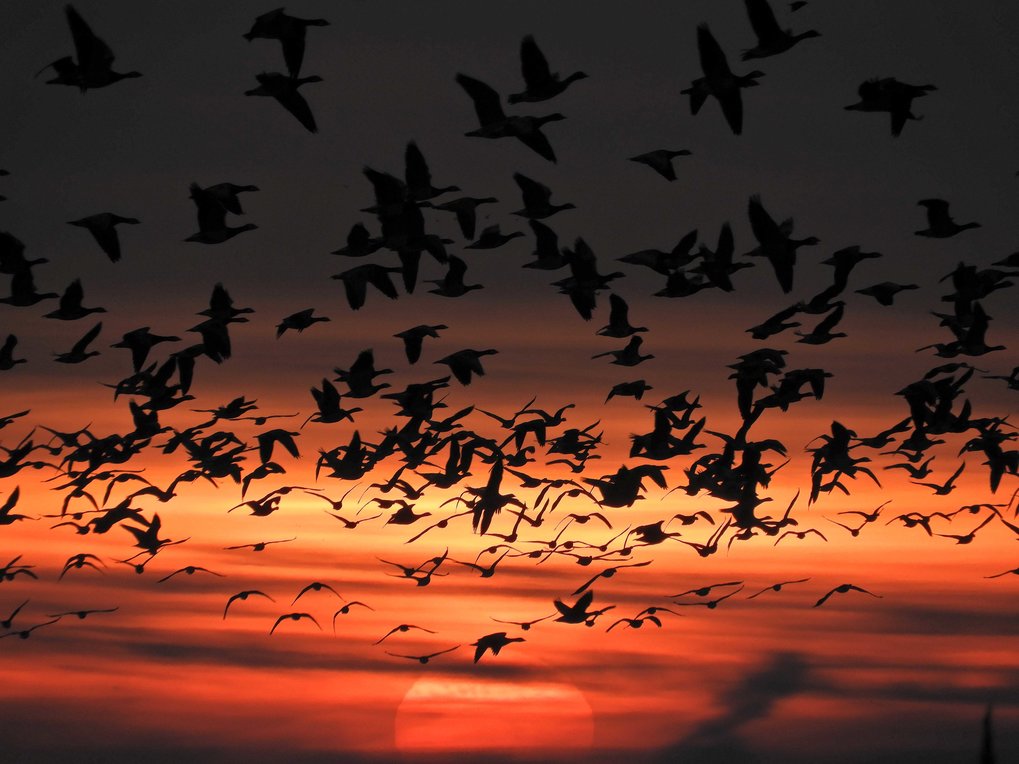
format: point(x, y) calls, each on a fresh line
point(289, 30)
point(890, 95)
point(939, 223)
point(843, 589)
point(492, 642)
point(285, 90)
point(102, 226)
point(771, 38)
point(660, 160)
point(541, 83)
point(94, 65)
point(719, 81)
point(494, 123)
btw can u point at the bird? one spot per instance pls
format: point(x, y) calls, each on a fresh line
point(423, 659)
point(771, 38)
point(227, 195)
point(23, 291)
point(102, 226)
point(578, 612)
point(492, 642)
point(619, 321)
point(70, 306)
point(537, 199)
point(775, 243)
point(7, 359)
point(356, 280)
point(660, 160)
point(413, 339)
point(285, 90)
point(79, 352)
point(289, 30)
point(189, 570)
point(452, 284)
point(494, 123)
point(777, 587)
point(293, 617)
point(94, 65)
point(719, 81)
point(212, 227)
point(419, 178)
point(315, 586)
point(403, 628)
point(890, 95)
point(466, 210)
point(541, 84)
point(843, 589)
point(300, 321)
point(939, 223)
point(885, 291)
point(243, 596)
point(630, 355)
point(466, 363)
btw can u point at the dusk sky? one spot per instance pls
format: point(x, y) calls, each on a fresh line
point(906, 674)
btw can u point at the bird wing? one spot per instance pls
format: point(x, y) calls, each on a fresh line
point(93, 54)
point(533, 64)
point(486, 101)
point(713, 60)
point(536, 195)
point(762, 19)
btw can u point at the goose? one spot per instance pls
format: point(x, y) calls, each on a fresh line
point(12, 255)
point(537, 199)
point(452, 284)
point(492, 238)
point(494, 123)
point(414, 337)
point(619, 322)
point(285, 90)
point(939, 223)
point(102, 226)
point(660, 160)
point(360, 378)
point(629, 355)
point(289, 30)
point(548, 256)
point(93, 68)
point(360, 243)
point(885, 292)
point(23, 292)
point(494, 642)
point(79, 352)
point(822, 333)
point(418, 177)
point(665, 263)
point(140, 342)
point(300, 321)
point(356, 281)
point(771, 38)
point(540, 83)
point(465, 363)
point(465, 208)
point(888, 94)
point(719, 81)
point(775, 244)
point(71, 308)
point(212, 227)
point(227, 195)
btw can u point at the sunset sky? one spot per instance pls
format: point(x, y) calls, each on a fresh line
point(905, 675)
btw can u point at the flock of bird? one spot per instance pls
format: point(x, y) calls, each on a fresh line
point(493, 471)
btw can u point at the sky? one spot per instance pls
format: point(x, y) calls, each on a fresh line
point(905, 675)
